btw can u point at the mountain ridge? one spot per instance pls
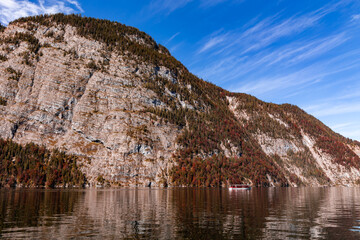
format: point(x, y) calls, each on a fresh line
point(110, 94)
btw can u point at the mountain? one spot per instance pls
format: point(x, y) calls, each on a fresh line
point(127, 113)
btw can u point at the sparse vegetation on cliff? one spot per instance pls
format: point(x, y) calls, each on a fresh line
point(14, 74)
point(3, 58)
point(35, 166)
point(3, 101)
point(214, 145)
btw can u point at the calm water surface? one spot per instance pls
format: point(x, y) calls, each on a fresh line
point(181, 213)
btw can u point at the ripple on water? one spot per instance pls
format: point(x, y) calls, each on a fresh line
point(186, 213)
point(356, 228)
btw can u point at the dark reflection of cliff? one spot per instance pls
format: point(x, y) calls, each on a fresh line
point(34, 208)
point(220, 214)
point(313, 213)
point(181, 213)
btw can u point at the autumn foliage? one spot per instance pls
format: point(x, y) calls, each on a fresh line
point(199, 109)
point(35, 166)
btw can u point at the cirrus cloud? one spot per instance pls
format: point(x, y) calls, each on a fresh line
point(13, 9)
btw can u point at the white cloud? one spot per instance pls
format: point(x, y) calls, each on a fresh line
point(341, 126)
point(300, 79)
point(334, 109)
point(355, 17)
point(76, 4)
point(251, 59)
point(211, 3)
point(13, 9)
point(351, 132)
point(175, 47)
point(172, 38)
point(262, 34)
point(169, 6)
point(341, 116)
point(236, 66)
point(322, 46)
point(277, 58)
point(348, 129)
point(165, 6)
point(213, 42)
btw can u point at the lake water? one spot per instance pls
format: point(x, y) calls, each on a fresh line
point(181, 213)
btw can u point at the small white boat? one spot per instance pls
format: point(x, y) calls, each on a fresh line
point(239, 187)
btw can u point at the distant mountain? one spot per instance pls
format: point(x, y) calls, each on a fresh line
point(131, 114)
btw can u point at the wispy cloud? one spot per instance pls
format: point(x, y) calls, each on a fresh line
point(233, 67)
point(267, 33)
point(323, 110)
point(303, 57)
point(263, 33)
point(257, 62)
point(13, 9)
point(214, 42)
point(341, 126)
point(165, 7)
point(175, 47)
point(348, 129)
point(318, 47)
point(76, 4)
point(353, 93)
point(355, 17)
point(171, 38)
point(300, 79)
point(211, 3)
point(341, 110)
point(351, 132)
point(342, 116)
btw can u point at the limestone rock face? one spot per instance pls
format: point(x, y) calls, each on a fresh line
point(132, 113)
point(296, 151)
point(60, 100)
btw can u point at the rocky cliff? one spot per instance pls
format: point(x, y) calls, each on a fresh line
point(134, 115)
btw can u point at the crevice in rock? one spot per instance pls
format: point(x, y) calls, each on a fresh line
point(14, 130)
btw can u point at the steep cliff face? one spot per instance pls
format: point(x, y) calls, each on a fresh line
point(135, 116)
point(61, 99)
point(299, 143)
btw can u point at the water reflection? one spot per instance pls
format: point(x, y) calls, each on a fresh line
point(181, 213)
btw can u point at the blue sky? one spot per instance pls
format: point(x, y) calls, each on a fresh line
point(302, 52)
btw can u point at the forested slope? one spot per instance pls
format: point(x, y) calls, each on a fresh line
point(134, 115)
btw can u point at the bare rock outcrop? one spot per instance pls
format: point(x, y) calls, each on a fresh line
point(61, 99)
point(135, 116)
